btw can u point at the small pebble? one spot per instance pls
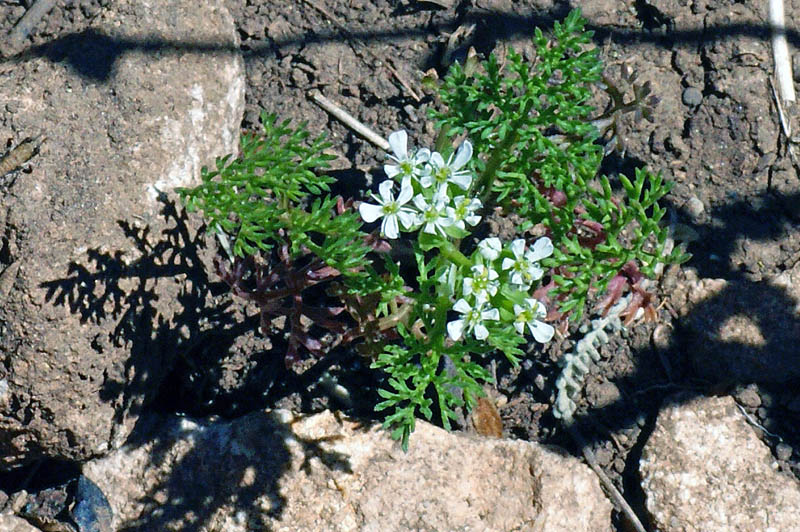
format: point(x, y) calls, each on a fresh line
point(783, 452)
point(695, 207)
point(749, 397)
point(411, 112)
point(692, 96)
point(603, 456)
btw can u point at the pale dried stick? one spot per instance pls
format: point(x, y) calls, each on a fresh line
point(348, 120)
point(604, 480)
point(785, 126)
point(780, 51)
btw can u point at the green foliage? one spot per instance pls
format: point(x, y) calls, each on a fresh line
point(532, 149)
point(270, 195)
point(533, 124)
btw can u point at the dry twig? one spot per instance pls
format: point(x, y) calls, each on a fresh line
point(348, 120)
point(780, 51)
point(604, 480)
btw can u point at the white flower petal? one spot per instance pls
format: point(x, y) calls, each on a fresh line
point(391, 170)
point(398, 141)
point(535, 272)
point(490, 248)
point(481, 332)
point(406, 191)
point(370, 212)
point(385, 190)
point(463, 180)
point(463, 155)
point(426, 180)
point(436, 160)
point(455, 329)
point(389, 226)
point(441, 195)
point(422, 156)
point(407, 218)
point(444, 221)
point(507, 263)
point(520, 327)
point(467, 290)
point(541, 248)
point(518, 247)
point(462, 306)
point(491, 314)
point(542, 332)
point(516, 278)
point(420, 202)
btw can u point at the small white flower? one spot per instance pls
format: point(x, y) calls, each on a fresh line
point(391, 209)
point(432, 216)
point(404, 165)
point(464, 211)
point(524, 267)
point(438, 172)
point(471, 320)
point(482, 284)
point(490, 248)
point(530, 314)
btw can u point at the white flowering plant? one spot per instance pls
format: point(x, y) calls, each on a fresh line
point(527, 144)
point(470, 297)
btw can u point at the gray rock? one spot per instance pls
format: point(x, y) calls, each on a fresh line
point(748, 396)
point(12, 523)
point(783, 451)
point(692, 96)
point(703, 468)
point(132, 108)
point(272, 471)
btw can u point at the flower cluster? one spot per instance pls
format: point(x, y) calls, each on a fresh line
point(482, 300)
point(491, 289)
point(433, 193)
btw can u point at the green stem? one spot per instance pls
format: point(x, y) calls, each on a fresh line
point(483, 185)
point(449, 251)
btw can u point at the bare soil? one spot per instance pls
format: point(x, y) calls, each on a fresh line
point(716, 136)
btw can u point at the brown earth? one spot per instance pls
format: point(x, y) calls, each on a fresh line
point(716, 136)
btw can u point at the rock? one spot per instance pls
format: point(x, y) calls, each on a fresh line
point(695, 208)
point(272, 471)
point(739, 331)
point(12, 523)
point(783, 452)
point(703, 468)
point(748, 396)
point(131, 107)
point(692, 96)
